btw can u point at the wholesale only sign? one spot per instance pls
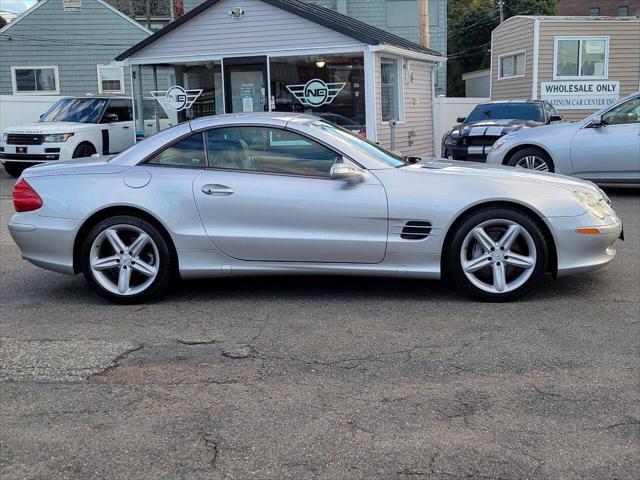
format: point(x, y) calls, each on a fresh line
point(580, 95)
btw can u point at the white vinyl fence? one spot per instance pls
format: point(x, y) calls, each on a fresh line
point(445, 112)
point(21, 109)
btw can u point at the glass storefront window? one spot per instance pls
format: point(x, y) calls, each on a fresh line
point(160, 105)
point(329, 86)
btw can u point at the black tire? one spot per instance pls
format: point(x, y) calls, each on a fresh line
point(539, 154)
point(453, 260)
point(15, 169)
point(166, 271)
point(84, 150)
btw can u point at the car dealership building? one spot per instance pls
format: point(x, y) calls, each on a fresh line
point(228, 56)
point(578, 64)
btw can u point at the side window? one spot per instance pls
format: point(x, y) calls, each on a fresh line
point(627, 112)
point(188, 152)
point(268, 150)
point(121, 108)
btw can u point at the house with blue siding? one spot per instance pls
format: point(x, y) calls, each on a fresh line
point(63, 48)
point(400, 17)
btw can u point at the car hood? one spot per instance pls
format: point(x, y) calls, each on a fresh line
point(498, 173)
point(78, 166)
point(44, 128)
point(491, 128)
point(556, 128)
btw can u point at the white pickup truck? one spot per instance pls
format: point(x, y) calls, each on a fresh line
point(72, 127)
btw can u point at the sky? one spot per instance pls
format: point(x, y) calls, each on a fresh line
point(9, 9)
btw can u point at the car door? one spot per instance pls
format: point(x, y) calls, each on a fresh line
point(118, 120)
point(268, 196)
point(610, 151)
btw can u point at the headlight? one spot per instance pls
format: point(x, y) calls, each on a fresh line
point(502, 140)
point(5, 137)
point(58, 137)
point(594, 204)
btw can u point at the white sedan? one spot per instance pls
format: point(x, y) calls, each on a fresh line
point(604, 147)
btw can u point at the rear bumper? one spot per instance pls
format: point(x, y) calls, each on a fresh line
point(46, 242)
point(582, 253)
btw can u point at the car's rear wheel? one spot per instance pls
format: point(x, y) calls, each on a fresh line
point(498, 254)
point(532, 159)
point(15, 169)
point(126, 259)
point(83, 150)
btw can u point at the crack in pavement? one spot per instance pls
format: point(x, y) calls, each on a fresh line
point(184, 341)
point(115, 363)
point(212, 445)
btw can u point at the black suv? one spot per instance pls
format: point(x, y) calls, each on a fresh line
point(473, 137)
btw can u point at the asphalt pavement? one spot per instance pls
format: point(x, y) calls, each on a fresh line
point(302, 378)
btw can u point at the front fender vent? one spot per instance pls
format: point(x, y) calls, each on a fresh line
point(416, 230)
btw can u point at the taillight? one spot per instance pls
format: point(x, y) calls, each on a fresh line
point(362, 134)
point(25, 198)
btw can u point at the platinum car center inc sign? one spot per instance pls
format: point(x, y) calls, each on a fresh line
point(581, 94)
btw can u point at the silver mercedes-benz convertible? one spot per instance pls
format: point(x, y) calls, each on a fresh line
point(262, 194)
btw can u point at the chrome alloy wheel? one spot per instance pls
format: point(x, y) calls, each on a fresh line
point(124, 259)
point(498, 256)
point(533, 162)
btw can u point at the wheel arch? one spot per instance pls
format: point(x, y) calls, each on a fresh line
point(111, 211)
point(524, 146)
point(552, 266)
point(85, 142)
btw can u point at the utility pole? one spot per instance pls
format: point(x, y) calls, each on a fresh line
point(501, 6)
point(148, 12)
point(423, 15)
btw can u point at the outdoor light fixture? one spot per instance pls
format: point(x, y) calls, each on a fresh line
point(236, 12)
point(320, 63)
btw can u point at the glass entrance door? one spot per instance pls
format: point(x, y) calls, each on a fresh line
point(245, 84)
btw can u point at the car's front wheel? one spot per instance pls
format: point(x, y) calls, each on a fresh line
point(126, 259)
point(83, 150)
point(498, 254)
point(532, 159)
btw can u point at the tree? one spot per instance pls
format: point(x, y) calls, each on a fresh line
point(470, 23)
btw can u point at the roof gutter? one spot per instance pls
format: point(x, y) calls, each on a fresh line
point(404, 52)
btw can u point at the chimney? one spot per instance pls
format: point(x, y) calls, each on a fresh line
point(178, 9)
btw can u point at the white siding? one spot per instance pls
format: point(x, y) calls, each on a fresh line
point(214, 32)
point(418, 111)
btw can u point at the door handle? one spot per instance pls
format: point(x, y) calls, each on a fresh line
point(217, 190)
point(126, 127)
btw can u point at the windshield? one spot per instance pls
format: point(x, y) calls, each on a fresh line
point(362, 144)
point(501, 111)
point(84, 110)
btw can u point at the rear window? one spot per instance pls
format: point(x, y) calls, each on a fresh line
point(506, 111)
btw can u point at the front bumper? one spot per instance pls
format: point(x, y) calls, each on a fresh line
point(46, 242)
point(469, 153)
point(45, 152)
point(496, 157)
point(578, 252)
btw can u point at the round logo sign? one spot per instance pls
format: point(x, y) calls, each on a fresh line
point(176, 98)
point(316, 92)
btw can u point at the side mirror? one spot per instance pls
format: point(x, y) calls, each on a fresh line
point(346, 172)
point(461, 119)
point(556, 118)
point(596, 122)
point(111, 118)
